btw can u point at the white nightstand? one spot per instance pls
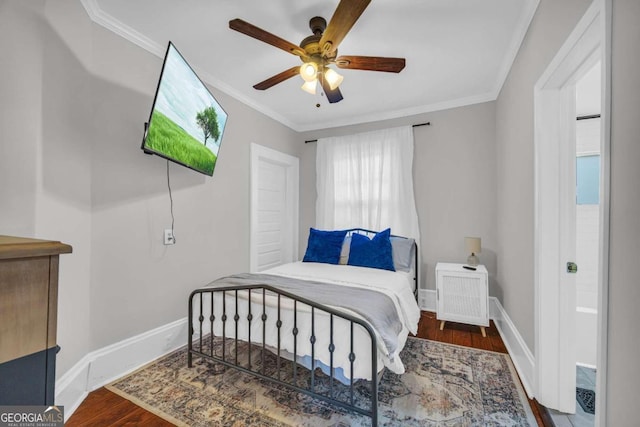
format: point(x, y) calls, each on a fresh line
point(462, 295)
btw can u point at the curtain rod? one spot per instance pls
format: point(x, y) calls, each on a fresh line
point(413, 126)
point(592, 116)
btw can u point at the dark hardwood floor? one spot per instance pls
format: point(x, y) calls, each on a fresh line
point(104, 408)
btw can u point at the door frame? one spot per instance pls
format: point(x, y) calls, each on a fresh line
point(260, 154)
point(554, 101)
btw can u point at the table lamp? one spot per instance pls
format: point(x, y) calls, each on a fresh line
point(472, 245)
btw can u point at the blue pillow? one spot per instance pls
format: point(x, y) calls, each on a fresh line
point(324, 246)
point(374, 253)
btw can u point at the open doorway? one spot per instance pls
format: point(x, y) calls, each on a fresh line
point(563, 155)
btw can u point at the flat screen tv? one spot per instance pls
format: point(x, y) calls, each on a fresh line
point(186, 122)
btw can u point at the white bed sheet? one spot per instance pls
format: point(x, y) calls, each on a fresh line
point(396, 285)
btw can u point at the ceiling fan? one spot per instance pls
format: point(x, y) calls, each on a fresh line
point(320, 50)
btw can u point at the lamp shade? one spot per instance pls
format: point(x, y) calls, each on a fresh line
point(334, 79)
point(310, 87)
point(472, 245)
point(309, 71)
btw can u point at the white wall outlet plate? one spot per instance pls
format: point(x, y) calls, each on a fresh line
point(168, 237)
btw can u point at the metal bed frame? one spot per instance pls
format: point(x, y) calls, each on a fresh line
point(201, 344)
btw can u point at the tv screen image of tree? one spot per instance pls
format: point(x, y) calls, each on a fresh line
point(186, 123)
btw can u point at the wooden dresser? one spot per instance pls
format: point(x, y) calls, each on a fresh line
point(28, 319)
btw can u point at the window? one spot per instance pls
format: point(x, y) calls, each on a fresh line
point(588, 180)
point(365, 180)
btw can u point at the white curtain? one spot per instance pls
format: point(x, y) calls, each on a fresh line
point(366, 180)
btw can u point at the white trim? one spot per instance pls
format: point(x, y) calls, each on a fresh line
point(427, 300)
point(605, 180)
point(411, 111)
point(111, 362)
point(567, 56)
point(587, 153)
point(102, 366)
point(586, 365)
point(100, 17)
point(71, 388)
point(292, 164)
point(554, 368)
point(521, 31)
point(519, 352)
point(586, 310)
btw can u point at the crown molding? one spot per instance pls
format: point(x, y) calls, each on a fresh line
point(100, 17)
point(405, 112)
point(521, 31)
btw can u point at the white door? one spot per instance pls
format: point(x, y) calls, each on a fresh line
point(274, 208)
point(588, 142)
point(555, 248)
point(555, 220)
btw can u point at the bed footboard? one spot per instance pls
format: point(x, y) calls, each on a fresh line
point(244, 327)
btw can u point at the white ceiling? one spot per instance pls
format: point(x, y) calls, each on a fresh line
point(458, 52)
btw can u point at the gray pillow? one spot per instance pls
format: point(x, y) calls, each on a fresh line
point(403, 253)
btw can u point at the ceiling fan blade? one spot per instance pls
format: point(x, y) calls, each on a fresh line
point(346, 14)
point(333, 95)
point(278, 78)
point(264, 36)
point(371, 63)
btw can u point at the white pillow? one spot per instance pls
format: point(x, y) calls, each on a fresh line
point(344, 254)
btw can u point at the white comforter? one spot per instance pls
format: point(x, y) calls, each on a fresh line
point(396, 285)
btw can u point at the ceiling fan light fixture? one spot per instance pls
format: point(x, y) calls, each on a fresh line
point(309, 71)
point(319, 50)
point(333, 78)
point(310, 87)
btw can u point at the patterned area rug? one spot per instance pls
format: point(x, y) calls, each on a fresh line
point(444, 385)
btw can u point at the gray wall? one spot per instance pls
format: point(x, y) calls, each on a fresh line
point(54, 142)
point(130, 264)
point(20, 91)
point(551, 25)
point(73, 105)
point(454, 183)
point(45, 145)
point(623, 370)
point(63, 209)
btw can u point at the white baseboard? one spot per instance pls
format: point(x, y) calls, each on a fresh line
point(71, 388)
point(427, 299)
point(105, 365)
point(521, 356)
